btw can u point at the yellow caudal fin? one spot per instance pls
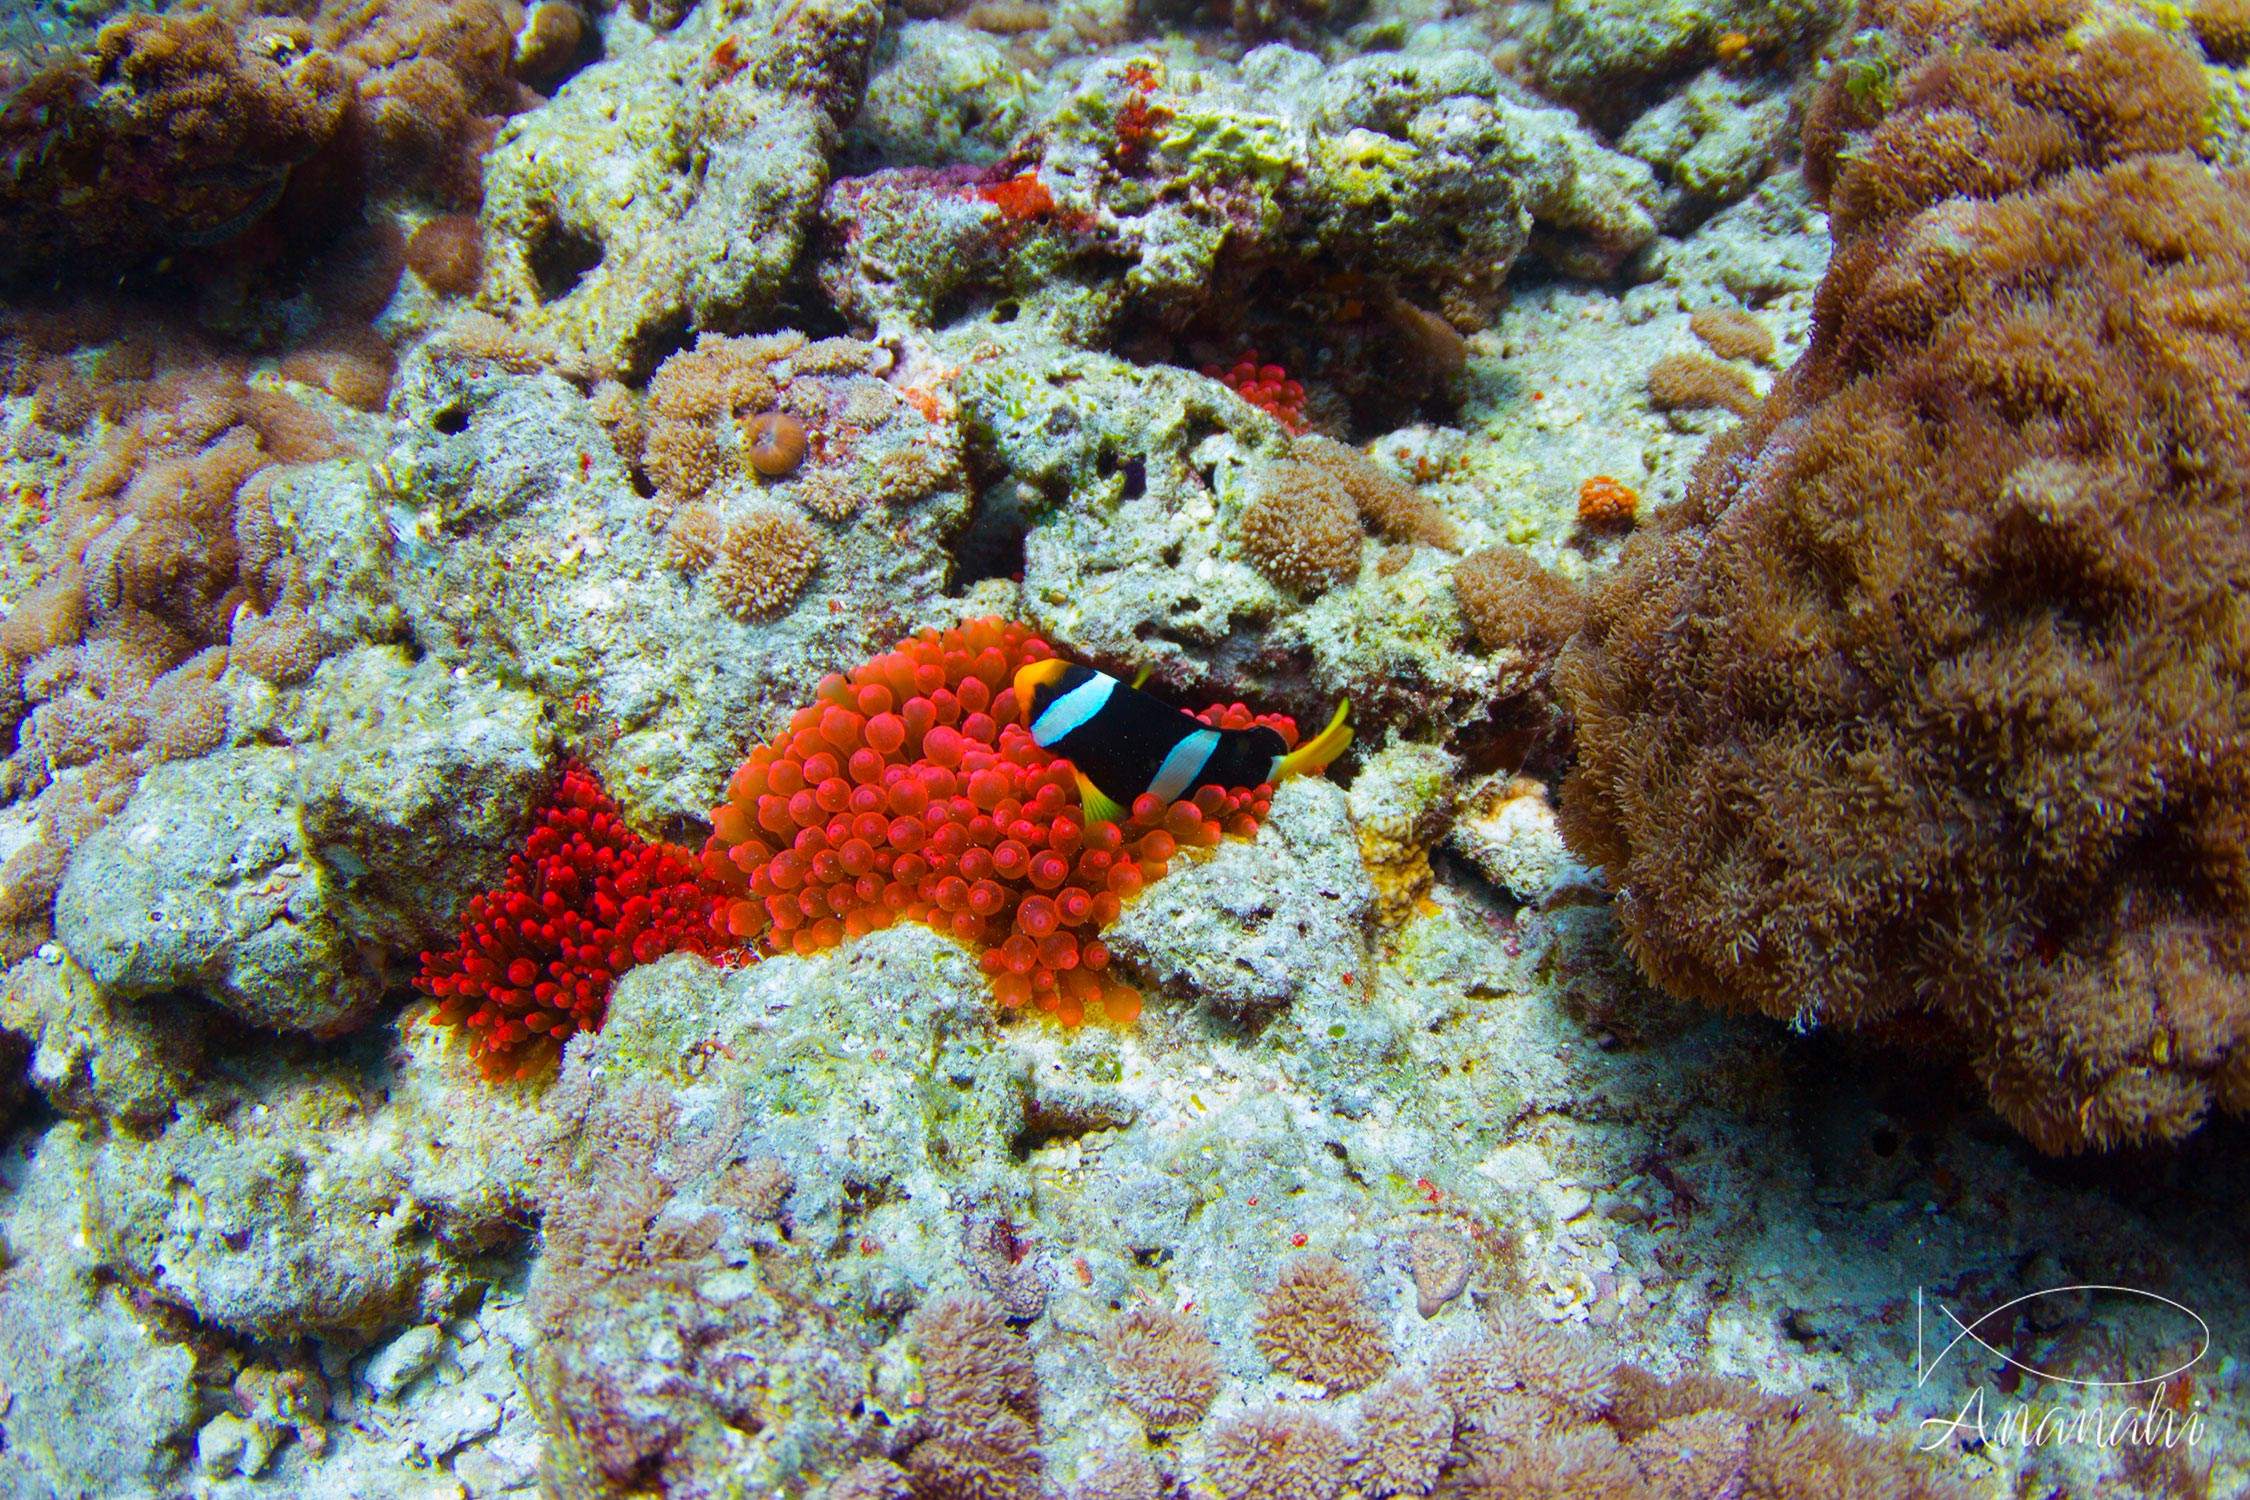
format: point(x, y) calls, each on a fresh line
point(1313, 756)
point(1099, 808)
point(1140, 678)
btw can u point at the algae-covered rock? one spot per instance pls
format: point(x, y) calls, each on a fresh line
point(294, 1193)
point(1426, 170)
point(939, 93)
point(99, 1406)
point(1260, 924)
point(1712, 142)
point(96, 1054)
point(672, 187)
point(1597, 45)
point(414, 784)
point(205, 882)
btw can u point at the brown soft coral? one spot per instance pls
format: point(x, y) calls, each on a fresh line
point(183, 130)
point(1317, 1326)
point(982, 1402)
point(1924, 711)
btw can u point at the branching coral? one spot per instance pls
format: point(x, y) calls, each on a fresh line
point(1316, 1325)
point(1163, 1365)
point(909, 791)
point(1924, 710)
point(584, 901)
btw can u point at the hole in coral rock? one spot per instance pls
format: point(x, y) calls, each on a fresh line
point(655, 344)
point(451, 421)
point(1884, 1142)
point(1005, 311)
point(992, 544)
point(560, 258)
point(1136, 479)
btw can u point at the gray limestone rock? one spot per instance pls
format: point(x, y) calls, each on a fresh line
point(414, 784)
point(1260, 924)
point(95, 1054)
point(205, 882)
point(99, 1407)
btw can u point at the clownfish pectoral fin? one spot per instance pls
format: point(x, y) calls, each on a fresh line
point(1099, 808)
point(1140, 678)
point(1313, 756)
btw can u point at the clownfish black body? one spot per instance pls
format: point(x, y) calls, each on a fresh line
point(1123, 742)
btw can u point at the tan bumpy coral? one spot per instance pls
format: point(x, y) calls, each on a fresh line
point(1924, 712)
point(1317, 1326)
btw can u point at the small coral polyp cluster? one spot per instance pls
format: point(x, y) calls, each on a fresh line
point(585, 900)
point(910, 790)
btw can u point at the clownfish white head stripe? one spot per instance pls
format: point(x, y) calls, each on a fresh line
point(1071, 710)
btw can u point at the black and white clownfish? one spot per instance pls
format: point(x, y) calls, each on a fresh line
point(1122, 742)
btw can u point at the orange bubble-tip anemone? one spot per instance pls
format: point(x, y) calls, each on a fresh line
point(910, 790)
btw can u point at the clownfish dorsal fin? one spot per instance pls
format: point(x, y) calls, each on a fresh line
point(1099, 808)
point(1313, 755)
point(1142, 676)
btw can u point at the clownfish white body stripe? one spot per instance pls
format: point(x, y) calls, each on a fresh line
point(1123, 742)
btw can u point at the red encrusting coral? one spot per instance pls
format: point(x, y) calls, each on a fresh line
point(909, 791)
point(585, 900)
point(1267, 387)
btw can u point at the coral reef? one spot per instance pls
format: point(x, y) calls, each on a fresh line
point(326, 545)
point(1883, 729)
point(185, 131)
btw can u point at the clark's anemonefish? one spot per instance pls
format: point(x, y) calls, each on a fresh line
point(1123, 742)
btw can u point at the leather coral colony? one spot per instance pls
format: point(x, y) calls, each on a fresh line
point(1924, 712)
